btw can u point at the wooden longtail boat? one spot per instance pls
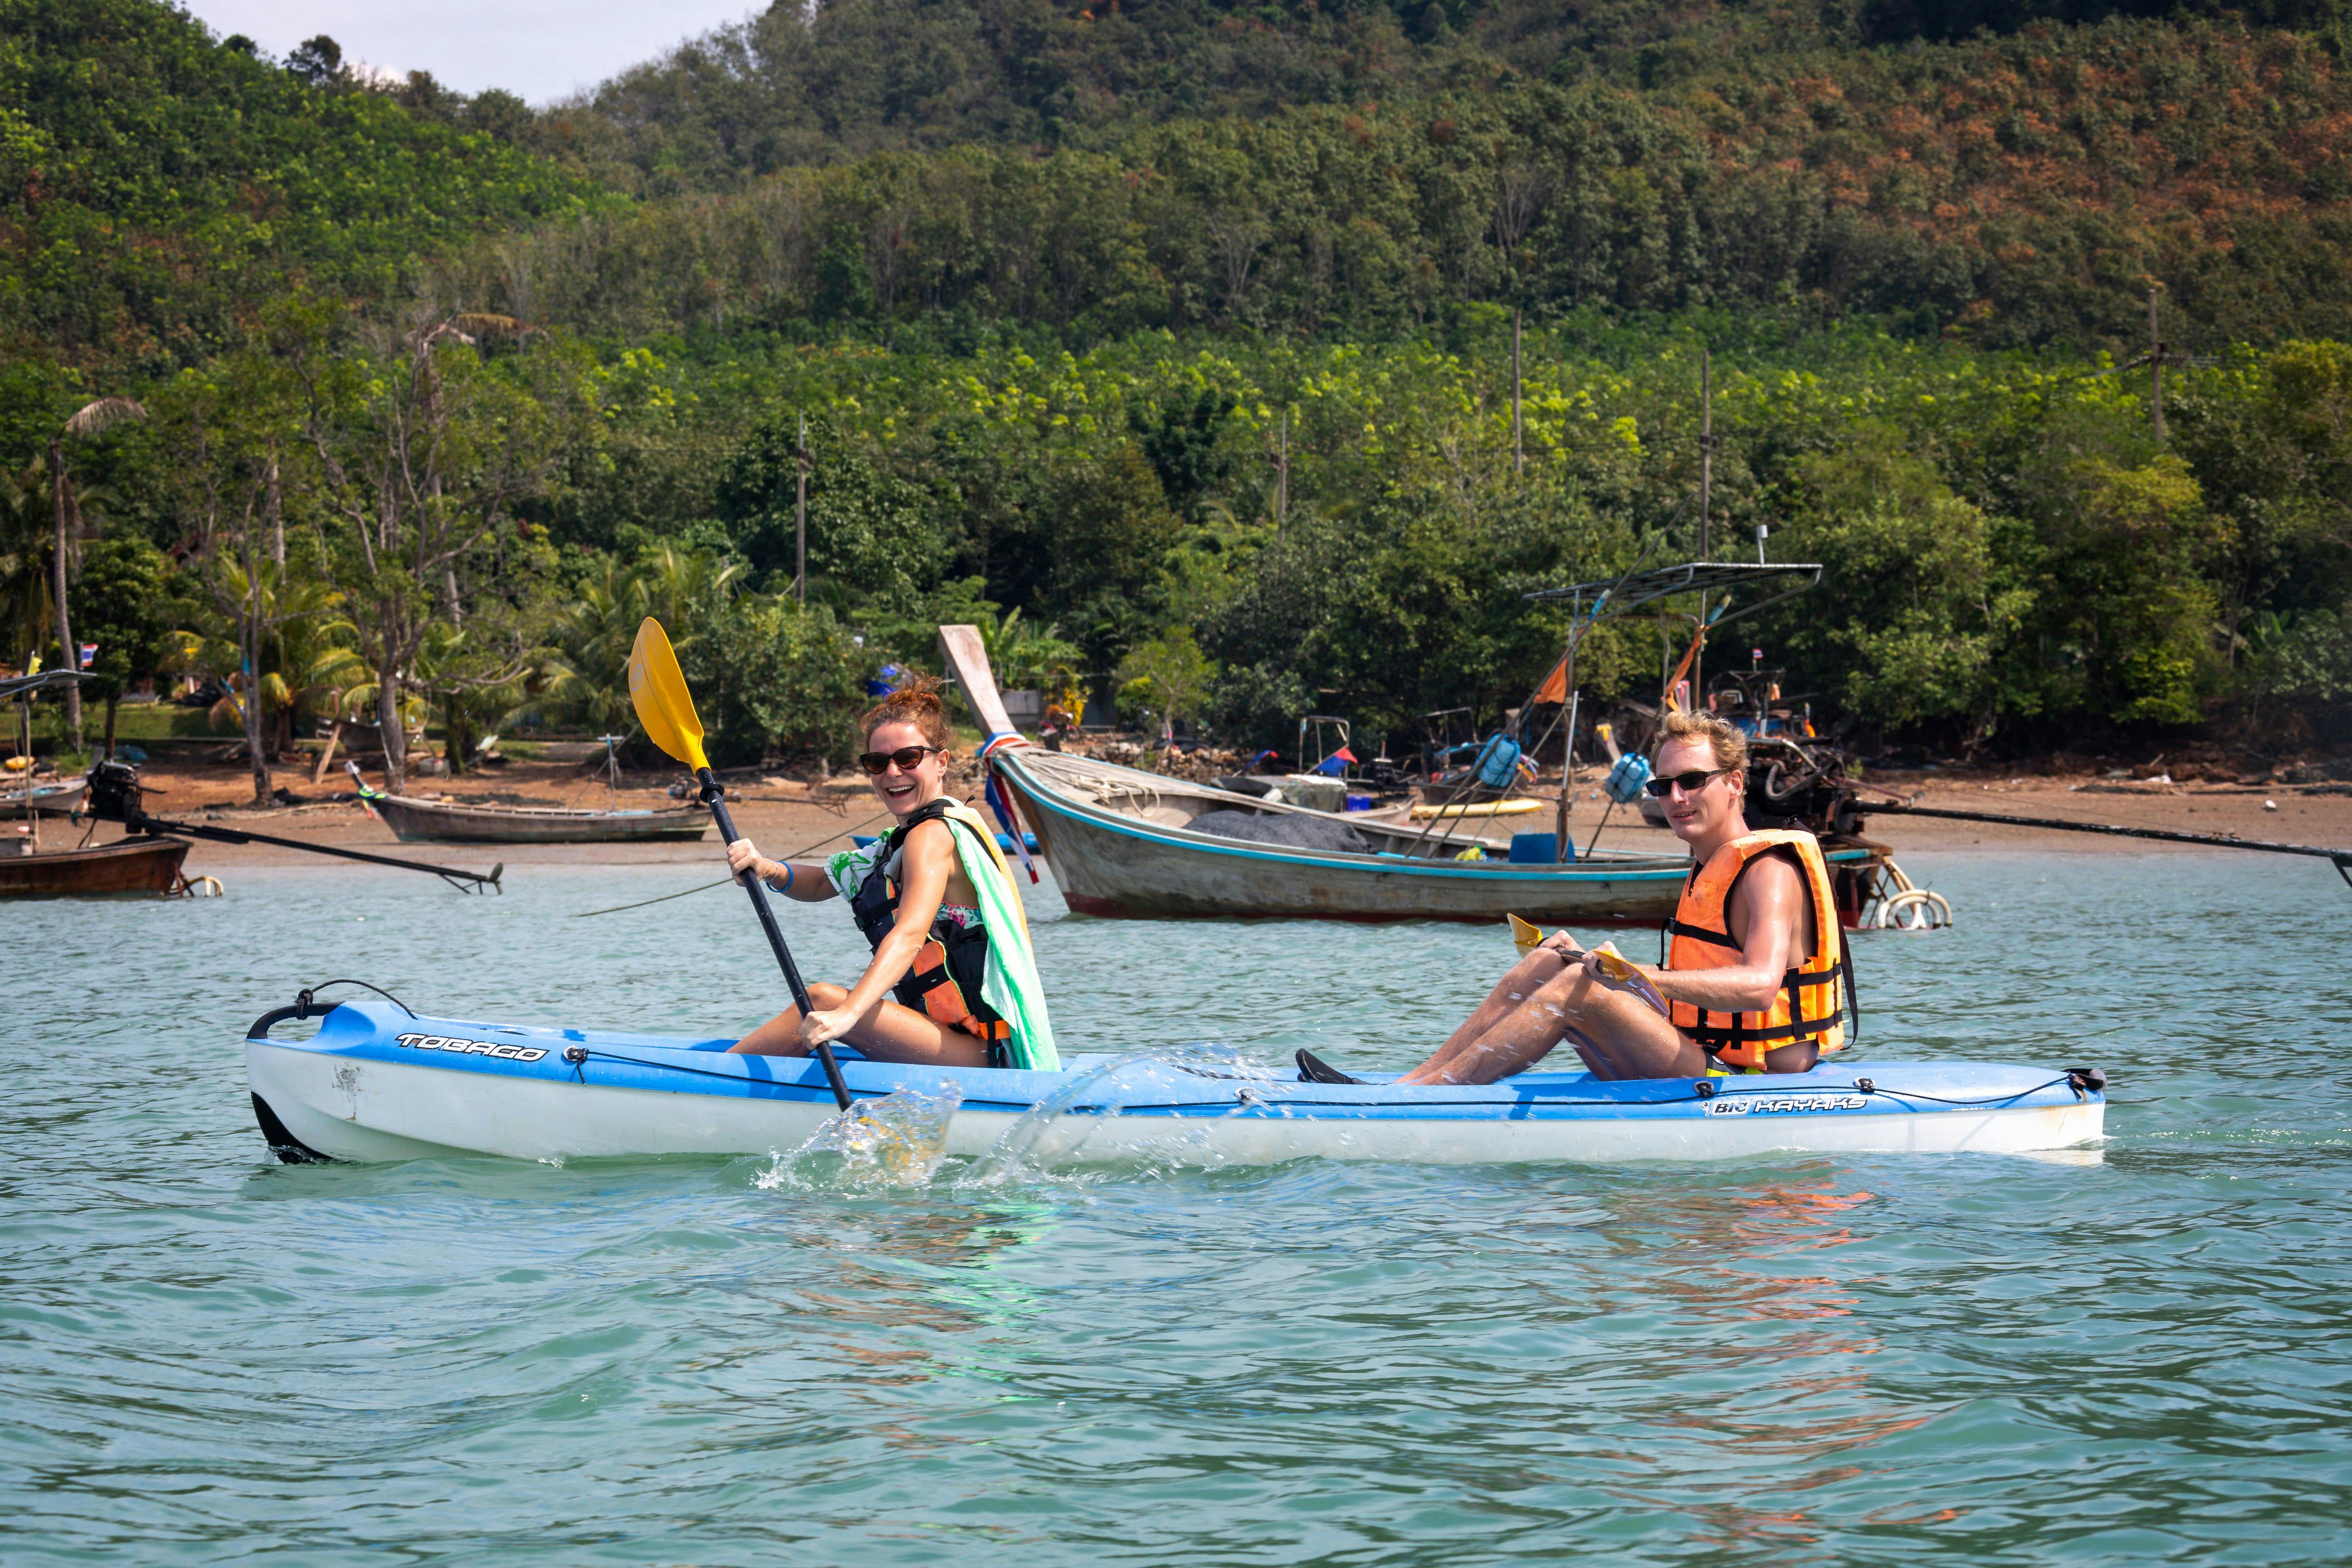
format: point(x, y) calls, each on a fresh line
point(58, 798)
point(434, 821)
point(136, 864)
point(1121, 844)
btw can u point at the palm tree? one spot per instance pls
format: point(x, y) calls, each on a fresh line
point(588, 665)
point(471, 679)
point(93, 418)
point(279, 642)
point(25, 608)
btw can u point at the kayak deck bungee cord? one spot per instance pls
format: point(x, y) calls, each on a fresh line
point(378, 1082)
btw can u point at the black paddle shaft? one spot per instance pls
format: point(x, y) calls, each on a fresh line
point(750, 880)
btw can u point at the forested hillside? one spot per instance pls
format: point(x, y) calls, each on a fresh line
point(2019, 191)
point(1172, 343)
point(157, 184)
point(847, 78)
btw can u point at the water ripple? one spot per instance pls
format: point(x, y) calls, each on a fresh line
point(2137, 1358)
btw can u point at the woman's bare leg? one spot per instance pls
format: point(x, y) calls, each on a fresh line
point(780, 1035)
point(891, 1032)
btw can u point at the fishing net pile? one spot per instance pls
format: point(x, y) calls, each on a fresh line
point(1280, 828)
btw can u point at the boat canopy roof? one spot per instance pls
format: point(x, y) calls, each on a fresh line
point(1622, 596)
point(16, 687)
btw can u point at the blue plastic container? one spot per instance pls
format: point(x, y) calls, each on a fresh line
point(1359, 802)
point(1498, 764)
point(1626, 778)
point(1537, 849)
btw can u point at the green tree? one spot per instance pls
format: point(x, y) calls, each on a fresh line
point(1111, 530)
point(2147, 612)
point(873, 537)
point(119, 605)
point(423, 450)
point(1907, 612)
point(1167, 677)
point(785, 683)
point(589, 637)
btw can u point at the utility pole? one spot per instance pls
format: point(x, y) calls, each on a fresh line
point(1706, 448)
point(66, 648)
point(1519, 445)
point(2155, 364)
point(1706, 507)
point(800, 515)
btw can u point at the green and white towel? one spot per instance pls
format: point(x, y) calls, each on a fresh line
point(1011, 985)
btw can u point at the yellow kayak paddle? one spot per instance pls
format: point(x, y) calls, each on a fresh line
point(657, 691)
point(1616, 970)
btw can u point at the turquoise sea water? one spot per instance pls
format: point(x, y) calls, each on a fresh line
point(2140, 1355)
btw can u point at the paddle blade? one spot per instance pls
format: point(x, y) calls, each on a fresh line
point(1524, 935)
point(658, 690)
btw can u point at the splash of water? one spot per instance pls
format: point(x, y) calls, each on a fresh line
point(1048, 1132)
point(897, 1140)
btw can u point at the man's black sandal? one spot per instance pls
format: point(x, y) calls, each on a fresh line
point(1313, 1069)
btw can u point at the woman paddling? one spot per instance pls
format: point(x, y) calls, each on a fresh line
point(937, 902)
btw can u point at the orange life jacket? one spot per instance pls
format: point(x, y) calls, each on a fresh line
point(1812, 996)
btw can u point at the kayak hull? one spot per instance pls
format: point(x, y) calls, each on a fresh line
point(375, 1084)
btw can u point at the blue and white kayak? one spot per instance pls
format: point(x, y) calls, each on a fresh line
point(378, 1083)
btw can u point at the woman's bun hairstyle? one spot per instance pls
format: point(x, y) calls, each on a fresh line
point(916, 703)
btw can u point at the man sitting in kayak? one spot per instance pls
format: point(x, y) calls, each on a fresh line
point(1754, 980)
point(937, 904)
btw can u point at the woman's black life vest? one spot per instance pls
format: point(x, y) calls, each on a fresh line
point(943, 983)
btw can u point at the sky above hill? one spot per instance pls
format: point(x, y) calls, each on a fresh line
point(541, 50)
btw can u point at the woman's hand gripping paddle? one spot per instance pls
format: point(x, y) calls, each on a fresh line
point(657, 689)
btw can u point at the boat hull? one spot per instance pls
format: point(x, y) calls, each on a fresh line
point(48, 801)
point(1109, 863)
point(415, 822)
point(374, 1084)
point(130, 866)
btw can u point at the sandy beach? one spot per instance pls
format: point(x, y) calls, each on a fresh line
point(794, 817)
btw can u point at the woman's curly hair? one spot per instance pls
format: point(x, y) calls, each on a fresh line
point(916, 703)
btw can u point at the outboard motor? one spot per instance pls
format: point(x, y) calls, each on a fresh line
point(114, 794)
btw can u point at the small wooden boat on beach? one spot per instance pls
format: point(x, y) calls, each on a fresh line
point(55, 798)
point(413, 821)
point(134, 865)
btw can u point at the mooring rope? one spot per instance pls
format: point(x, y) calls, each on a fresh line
point(729, 881)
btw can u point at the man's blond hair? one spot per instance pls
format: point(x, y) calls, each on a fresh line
point(1729, 746)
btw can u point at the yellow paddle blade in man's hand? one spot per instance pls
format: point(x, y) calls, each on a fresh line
point(657, 689)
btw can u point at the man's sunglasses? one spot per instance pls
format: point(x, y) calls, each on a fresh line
point(907, 758)
point(1692, 782)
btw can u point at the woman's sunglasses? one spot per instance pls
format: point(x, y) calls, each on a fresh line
point(1692, 782)
point(907, 758)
